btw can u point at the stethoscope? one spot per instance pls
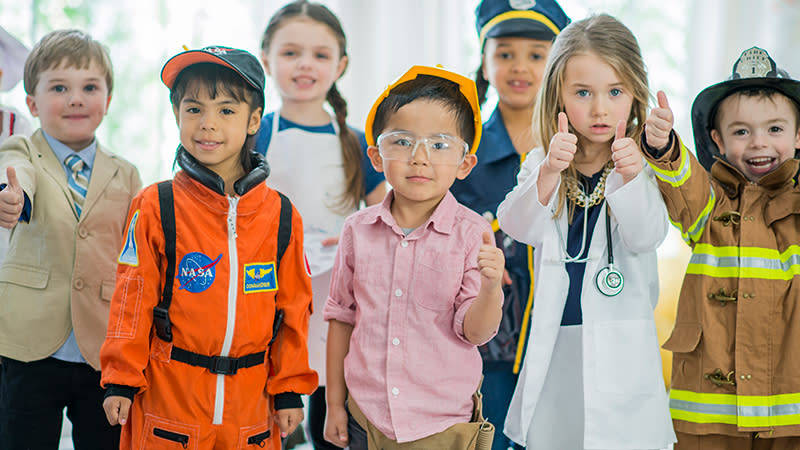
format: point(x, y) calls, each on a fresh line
point(609, 280)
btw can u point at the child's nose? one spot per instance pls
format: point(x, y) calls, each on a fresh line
point(207, 122)
point(76, 99)
point(419, 154)
point(599, 107)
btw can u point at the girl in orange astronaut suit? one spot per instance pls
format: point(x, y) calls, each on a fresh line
point(205, 276)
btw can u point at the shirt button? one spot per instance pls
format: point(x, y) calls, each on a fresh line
point(395, 392)
point(78, 284)
point(404, 244)
point(395, 342)
point(82, 232)
point(398, 292)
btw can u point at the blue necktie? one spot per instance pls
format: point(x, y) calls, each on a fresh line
point(77, 181)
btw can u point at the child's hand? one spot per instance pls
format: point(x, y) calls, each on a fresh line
point(116, 408)
point(336, 426)
point(562, 147)
point(12, 200)
point(659, 123)
point(491, 263)
point(288, 419)
point(327, 242)
point(625, 154)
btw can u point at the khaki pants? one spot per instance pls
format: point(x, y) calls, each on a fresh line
point(475, 435)
point(722, 442)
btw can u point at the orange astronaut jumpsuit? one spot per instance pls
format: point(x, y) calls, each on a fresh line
point(225, 295)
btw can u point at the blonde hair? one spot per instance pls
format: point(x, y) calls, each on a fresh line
point(610, 40)
point(72, 48)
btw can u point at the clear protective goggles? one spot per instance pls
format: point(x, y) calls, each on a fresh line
point(441, 149)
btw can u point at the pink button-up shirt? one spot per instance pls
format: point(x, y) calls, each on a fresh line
point(410, 368)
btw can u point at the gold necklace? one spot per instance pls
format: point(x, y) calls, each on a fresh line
point(578, 197)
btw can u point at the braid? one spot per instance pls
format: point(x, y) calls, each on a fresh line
point(351, 155)
point(482, 84)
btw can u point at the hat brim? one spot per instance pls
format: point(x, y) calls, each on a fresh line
point(525, 28)
point(12, 60)
point(706, 103)
point(177, 63)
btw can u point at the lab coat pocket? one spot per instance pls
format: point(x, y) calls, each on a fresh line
point(627, 357)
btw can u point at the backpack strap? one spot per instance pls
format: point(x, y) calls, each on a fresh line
point(166, 203)
point(284, 235)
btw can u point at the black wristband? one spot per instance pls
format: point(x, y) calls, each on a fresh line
point(288, 400)
point(658, 152)
point(121, 391)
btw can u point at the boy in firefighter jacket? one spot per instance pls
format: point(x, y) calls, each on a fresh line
point(206, 343)
point(734, 376)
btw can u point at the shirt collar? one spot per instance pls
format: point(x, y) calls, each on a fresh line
point(442, 219)
point(62, 151)
point(495, 143)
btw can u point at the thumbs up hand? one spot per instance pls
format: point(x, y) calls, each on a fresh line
point(562, 147)
point(12, 199)
point(491, 263)
point(659, 123)
point(625, 154)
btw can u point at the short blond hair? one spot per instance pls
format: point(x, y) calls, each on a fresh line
point(72, 48)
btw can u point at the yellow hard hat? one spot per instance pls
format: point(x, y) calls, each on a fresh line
point(466, 86)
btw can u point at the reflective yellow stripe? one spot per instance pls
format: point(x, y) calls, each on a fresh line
point(518, 14)
point(523, 332)
point(696, 229)
point(744, 410)
point(675, 177)
point(745, 262)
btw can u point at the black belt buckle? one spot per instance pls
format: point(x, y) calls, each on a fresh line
point(162, 323)
point(224, 365)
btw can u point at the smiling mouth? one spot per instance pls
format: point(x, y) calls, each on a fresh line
point(761, 162)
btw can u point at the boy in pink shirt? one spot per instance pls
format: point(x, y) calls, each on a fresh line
point(416, 285)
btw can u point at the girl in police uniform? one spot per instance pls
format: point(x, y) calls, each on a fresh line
point(316, 160)
point(592, 210)
point(515, 38)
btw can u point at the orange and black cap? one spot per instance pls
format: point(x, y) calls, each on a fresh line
point(240, 61)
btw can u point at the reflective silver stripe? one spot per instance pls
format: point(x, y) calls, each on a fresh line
point(766, 411)
point(745, 262)
point(702, 408)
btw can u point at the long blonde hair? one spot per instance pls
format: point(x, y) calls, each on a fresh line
point(611, 41)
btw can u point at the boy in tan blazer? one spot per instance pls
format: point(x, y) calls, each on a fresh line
point(65, 198)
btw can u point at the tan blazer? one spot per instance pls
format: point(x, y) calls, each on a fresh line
point(59, 273)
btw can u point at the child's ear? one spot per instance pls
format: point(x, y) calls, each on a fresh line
point(797, 139)
point(717, 138)
point(32, 105)
point(255, 121)
point(342, 66)
point(265, 62)
point(466, 166)
point(375, 158)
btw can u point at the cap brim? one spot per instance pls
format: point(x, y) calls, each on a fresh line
point(177, 63)
point(706, 102)
point(525, 28)
point(12, 60)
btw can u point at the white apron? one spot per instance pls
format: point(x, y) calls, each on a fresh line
point(307, 167)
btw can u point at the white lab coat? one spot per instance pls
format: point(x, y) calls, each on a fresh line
point(625, 403)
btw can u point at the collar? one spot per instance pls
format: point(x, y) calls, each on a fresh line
point(496, 143)
point(442, 219)
point(62, 151)
point(211, 180)
point(732, 179)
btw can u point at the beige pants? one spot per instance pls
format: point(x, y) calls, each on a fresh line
point(475, 435)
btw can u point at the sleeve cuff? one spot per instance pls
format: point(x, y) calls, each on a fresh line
point(120, 391)
point(658, 152)
point(288, 400)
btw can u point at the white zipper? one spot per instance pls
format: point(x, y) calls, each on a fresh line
point(233, 284)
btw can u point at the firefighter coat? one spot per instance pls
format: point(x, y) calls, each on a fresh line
point(225, 294)
point(735, 361)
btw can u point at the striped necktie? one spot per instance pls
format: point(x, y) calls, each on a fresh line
point(77, 181)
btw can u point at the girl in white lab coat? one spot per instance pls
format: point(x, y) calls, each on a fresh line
point(593, 213)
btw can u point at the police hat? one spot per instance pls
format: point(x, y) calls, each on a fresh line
point(754, 69)
point(242, 62)
point(534, 19)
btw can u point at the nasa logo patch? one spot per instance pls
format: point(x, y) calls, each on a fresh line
point(129, 255)
point(196, 272)
point(260, 277)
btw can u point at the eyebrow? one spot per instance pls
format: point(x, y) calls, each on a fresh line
point(221, 102)
point(773, 120)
